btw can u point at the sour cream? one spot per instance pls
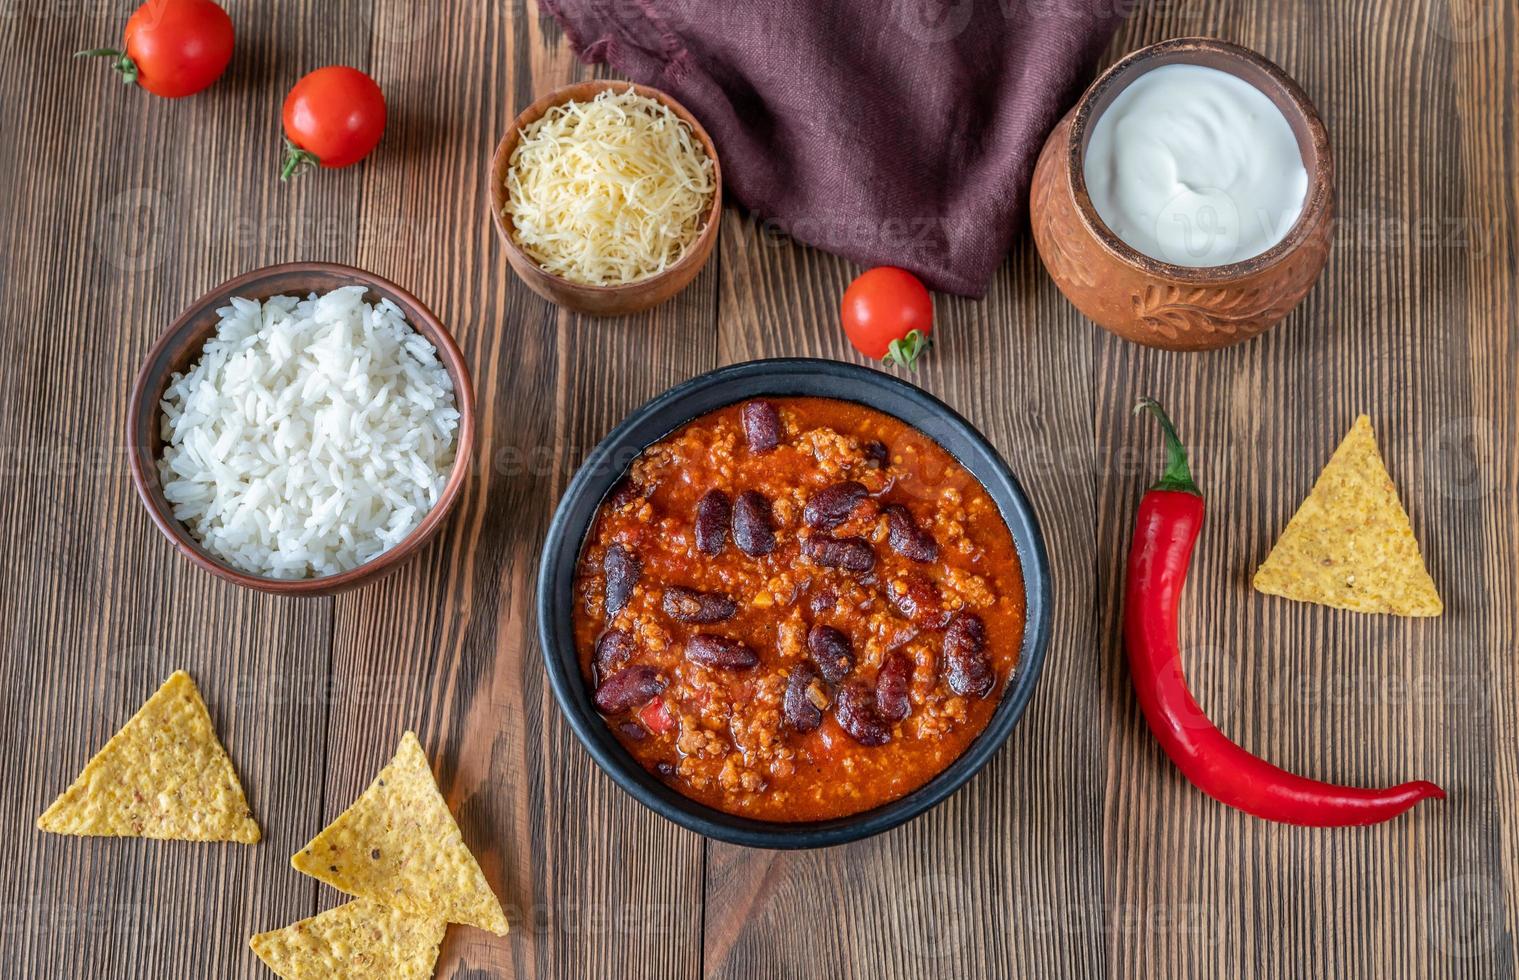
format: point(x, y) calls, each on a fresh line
point(1196, 167)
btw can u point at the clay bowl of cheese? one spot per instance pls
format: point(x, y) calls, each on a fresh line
point(1187, 200)
point(607, 196)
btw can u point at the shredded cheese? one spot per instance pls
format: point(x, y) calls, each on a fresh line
point(608, 191)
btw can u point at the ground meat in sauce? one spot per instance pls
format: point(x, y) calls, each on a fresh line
point(765, 740)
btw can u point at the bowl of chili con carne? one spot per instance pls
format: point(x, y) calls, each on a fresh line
point(793, 603)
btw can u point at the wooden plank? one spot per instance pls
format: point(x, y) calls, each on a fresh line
point(1078, 852)
point(123, 208)
point(594, 884)
point(1477, 908)
point(966, 889)
point(1371, 700)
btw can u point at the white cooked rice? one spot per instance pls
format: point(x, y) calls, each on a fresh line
point(311, 435)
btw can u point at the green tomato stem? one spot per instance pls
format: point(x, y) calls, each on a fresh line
point(122, 64)
point(904, 352)
point(297, 161)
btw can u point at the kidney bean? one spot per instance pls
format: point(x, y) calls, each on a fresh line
point(624, 493)
point(633, 731)
point(850, 554)
point(665, 770)
point(907, 539)
point(892, 682)
point(876, 454)
point(919, 602)
point(690, 606)
point(720, 651)
point(832, 505)
point(968, 667)
point(822, 601)
point(753, 529)
point(713, 514)
point(856, 711)
point(762, 426)
point(802, 713)
point(628, 688)
point(622, 569)
point(831, 652)
point(613, 649)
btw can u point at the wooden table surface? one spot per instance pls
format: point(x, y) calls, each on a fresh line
point(1078, 851)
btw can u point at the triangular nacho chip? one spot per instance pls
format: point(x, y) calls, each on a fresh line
point(399, 846)
point(164, 775)
point(360, 939)
point(1350, 544)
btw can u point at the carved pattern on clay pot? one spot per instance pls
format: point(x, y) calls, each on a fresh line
point(1173, 311)
point(1176, 311)
point(1047, 217)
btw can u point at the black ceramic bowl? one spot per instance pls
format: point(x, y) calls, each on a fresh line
point(681, 404)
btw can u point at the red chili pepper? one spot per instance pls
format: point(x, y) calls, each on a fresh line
point(1170, 517)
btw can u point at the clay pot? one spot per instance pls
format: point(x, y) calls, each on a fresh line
point(1153, 302)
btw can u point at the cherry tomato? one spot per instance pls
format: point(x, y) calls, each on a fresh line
point(888, 315)
point(173, 48)
point(333, 117)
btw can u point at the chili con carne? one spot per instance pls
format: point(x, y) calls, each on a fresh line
point(795, 609)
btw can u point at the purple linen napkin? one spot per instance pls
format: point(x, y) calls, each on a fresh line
point(892, 132)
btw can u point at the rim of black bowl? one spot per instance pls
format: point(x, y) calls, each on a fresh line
point(781, 377)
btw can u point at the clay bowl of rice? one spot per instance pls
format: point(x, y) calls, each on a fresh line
point(608, 197)
point(302, 429)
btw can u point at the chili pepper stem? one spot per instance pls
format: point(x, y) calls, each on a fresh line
point(1177, 475)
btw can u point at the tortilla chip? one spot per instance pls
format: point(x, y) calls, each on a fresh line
point(164, 775)
point(399, 846)
point(1350, 545)
point(360, 939)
